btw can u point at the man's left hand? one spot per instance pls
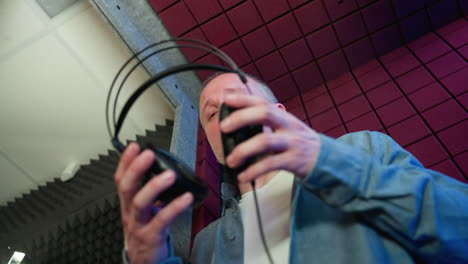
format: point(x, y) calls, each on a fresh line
point(292, 145)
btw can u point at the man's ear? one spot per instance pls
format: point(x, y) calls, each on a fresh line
point(281, 107)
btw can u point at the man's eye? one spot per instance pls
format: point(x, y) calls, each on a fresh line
point(213, 114)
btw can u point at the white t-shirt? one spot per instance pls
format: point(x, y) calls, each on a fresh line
point(274, 200)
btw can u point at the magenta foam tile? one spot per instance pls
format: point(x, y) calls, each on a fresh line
point(448, 168)
point(454, 26)
point(322, 41)
point(461, 161)
point(160, 5)
point(443, 12)
point(308, 22)
point(284, 29)
point(414, 80)
point(340, 80)
point(395, 112)
point(354, 108)
point(226, 4)
point(270, 9)
point(454, 138)
point(345, 92)
point(464, 51)
point(378, 15)
point(373, 79)
point(338, 9)
point(219, 31)
point(428, 151)
point(394, 54)
point(203, 10)
point(428, 96)
point(404, 7)
point(333, 65)
point(362, 3)
point(178, 19)
point(463, 99)
point(245, 17)
point(326, 121)
point(307, 77)
point(402, 65)
point(350, 28)
point(412, 32)
point(384, 94)
point(298, 111)
point(359, 52)
point(258, 43)
point(446, 65)
point(251, 69)
point(292, 102)
point(284, 88)
point(271, 66)
point(365, 68)
point(190, 53)
point(457, 82)
point(210, 59)
point(296, 3)
point(336, 132)
point(444, 115)
point(313, 93)
point(318, 104)
point(409, 131)
point(387, 39)
point(296, 54)
point(423, 41)
point(368, 121)
point(237, 52)
point(431, 51)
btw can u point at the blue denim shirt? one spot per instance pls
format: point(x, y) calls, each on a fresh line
point(367, 201)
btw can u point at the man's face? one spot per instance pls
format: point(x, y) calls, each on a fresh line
point(211, 99)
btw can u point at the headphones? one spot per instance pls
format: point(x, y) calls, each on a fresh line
point(186, 179)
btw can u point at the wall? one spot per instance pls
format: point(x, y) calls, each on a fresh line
point(55, 74)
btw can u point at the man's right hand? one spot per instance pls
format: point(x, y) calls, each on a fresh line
point(145, 233)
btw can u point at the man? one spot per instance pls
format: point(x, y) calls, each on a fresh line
point(358, 199)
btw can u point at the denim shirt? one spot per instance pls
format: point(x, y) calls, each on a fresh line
point(367, 201)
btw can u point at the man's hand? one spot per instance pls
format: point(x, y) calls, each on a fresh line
point(292, 145)
point(145, 233)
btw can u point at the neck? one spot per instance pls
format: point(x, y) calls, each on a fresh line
point(259, 182)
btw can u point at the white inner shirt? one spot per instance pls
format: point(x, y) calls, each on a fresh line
point(274, 201)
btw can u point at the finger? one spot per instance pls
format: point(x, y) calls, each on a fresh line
point(143, 201)
point(129, 154)
point(165, 216)
point(266, 165)
point(267, 115)
point(239, 100)
point(259, 144)
point(132, 176)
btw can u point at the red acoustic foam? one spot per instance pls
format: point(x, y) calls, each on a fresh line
point(428, 96)
point(414, 80)
point(326, 120)
point(296, 54)
point(457, 82)
point(203, 10)
point(373, 79)
point(461, 161)
point(308, 22)
point(258, 43)
point(447, 64)
point(178, 19)
point(270, 9)
point(368, 121)
point(318, 104)
point(448, 168)
point(444, 115)
point(346, 92)
point(219, 31)
point(395, 112)
point(336, 132)
point(284, 30)
point(271, 66)
point(454, 138)
point(384, 94)
point(354, 108)
point(307, 77)
point(428, 151)
point(322, 41)
point(284, 88)
point(409, 131)
point(245, 17)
